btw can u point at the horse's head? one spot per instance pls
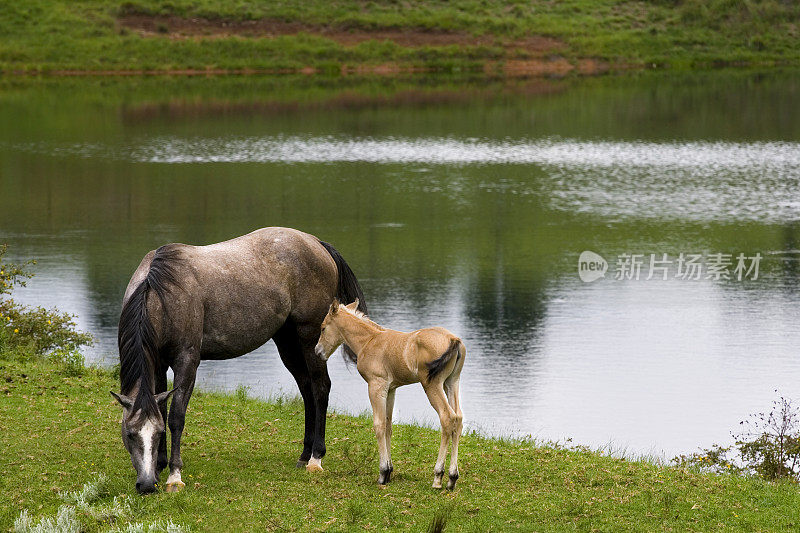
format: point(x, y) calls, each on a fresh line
point(143, 427)
point(330, 336)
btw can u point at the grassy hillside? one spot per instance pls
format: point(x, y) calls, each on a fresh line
point(505, 38)
point(59, 429)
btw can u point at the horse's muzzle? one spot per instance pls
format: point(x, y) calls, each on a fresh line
point(146, 487)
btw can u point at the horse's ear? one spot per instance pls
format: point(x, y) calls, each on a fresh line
point(123, 400)
point(163, 397)
point(335, 305)
point(353, 306)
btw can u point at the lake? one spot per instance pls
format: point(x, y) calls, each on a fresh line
point(464, 203)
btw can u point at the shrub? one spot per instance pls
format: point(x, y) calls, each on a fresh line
point(35, 332)
point(769, 446)
point(86, 510)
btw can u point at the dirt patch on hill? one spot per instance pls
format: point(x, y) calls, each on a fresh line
point(200, 28)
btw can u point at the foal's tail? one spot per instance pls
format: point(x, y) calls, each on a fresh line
point(347, 288)
point(436, 366)
point(138, 347)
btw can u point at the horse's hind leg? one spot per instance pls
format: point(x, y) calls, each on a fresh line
point(292, 356)
point(439, 402)
point(451, 387)
point(185, 367)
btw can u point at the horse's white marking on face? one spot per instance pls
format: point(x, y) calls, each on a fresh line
point(147, 433)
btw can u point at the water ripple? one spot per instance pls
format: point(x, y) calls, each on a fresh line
point(447, 151)
point(611, 179)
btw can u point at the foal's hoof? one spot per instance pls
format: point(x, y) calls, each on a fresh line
point(437, 484)
point(176, 486)
point(314, 465)
point(451, 484)
point(385, 477)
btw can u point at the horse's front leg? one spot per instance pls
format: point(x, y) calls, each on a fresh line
point(185, 368)
point(288, 342)
point(378, 392)
point(161, 386)
point(320, 387)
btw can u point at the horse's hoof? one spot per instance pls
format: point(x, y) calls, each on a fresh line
point(176, 486)
point(437, 484)
point(301, 464)
point(314, 465)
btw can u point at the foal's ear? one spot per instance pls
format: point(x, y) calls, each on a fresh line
point(123, 400)
point(335, 305)
point(353, 306)
point(163, 397)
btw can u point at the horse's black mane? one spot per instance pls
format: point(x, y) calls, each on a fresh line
point(347, 290)
point(138, 346)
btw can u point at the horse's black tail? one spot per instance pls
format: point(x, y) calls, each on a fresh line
point(436, 366)
point(347, 288)
point(138, 346)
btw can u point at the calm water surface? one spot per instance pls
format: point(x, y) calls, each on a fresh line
point(465, 207)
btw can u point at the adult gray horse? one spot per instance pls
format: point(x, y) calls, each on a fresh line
point(219, 302)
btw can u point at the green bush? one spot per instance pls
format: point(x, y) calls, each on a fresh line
point(769, 446)
point(35, 332)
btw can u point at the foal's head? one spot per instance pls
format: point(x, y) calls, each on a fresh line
point(143, 427)
point(330, 336)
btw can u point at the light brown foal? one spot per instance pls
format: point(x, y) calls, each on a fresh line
point(388, 359)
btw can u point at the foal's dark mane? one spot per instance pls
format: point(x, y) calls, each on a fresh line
point(138, 346)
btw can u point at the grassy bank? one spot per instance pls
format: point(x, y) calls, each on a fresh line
point(503, 38)
point(59, 430)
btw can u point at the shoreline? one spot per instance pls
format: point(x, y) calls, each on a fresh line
point(552, 68)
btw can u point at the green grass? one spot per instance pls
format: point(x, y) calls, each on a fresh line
point(57, 35)
point(58, 432)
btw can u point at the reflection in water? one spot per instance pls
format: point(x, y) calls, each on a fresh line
point(470, 216)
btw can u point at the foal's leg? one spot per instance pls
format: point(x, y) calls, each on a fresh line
point(389, 409)
point(438, 400)
point(185, 368)
point(451, 387)
point(378, 392)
